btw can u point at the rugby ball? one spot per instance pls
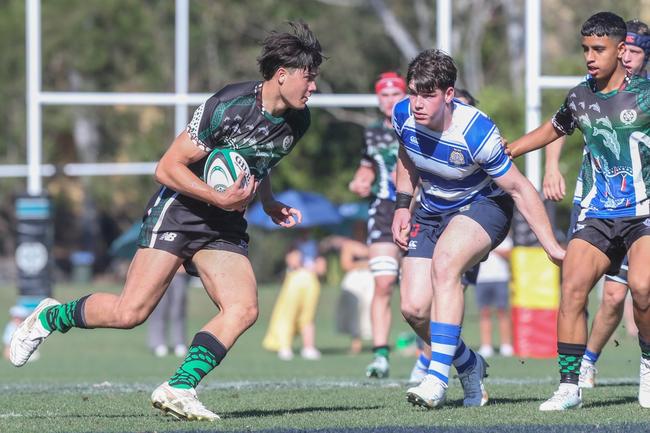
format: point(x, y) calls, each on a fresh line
point(222, 168)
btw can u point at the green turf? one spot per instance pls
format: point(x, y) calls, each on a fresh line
point(100, 380)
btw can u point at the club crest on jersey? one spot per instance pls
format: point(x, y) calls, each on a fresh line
point(456, 157)
point(628, 116)
point(286, 143)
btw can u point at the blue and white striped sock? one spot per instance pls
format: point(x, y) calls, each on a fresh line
point(590, 356)
point(444, 341)
point(464, 357)
point(422, 363)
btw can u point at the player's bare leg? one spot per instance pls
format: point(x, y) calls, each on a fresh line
point(639, 281)
point(605, 322)
point(583, 266)
point(229, 281)
point(384, 263)
point(147, 279)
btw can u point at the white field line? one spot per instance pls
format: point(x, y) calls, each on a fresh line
point(123, 387)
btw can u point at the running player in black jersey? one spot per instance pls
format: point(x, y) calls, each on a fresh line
point(186, 220)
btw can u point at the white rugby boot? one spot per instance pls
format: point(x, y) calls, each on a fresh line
point(417, 373)
point(644, 383)
point(567, 396)
point(430, 393)
point(378, 368)
point(181, 404)
point(588, 373)
point(472, 382)
point(29, 335)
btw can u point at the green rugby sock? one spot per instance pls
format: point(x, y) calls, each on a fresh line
point(569, 359)
point(65, 316)
point(204, 354)
point(381, 351)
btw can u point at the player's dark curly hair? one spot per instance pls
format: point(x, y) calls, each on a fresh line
point(430, 70)
point(298, 49)
point(605, 24)
point(638, 27)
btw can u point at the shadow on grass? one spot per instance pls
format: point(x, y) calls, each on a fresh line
point(609, 402)
point(298, 410)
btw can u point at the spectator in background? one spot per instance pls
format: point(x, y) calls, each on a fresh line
point(170, 315)
point(357, 287)
point(295, 309)
point(492, 294)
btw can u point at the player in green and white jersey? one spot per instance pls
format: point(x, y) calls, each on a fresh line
point(187, 220)
point(612, 110)
point(375, 178)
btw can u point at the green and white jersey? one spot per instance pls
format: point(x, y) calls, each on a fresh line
point(380, 153)
point(616, 129)
point(234, 118)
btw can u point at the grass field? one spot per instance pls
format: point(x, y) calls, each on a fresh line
point(92, 381)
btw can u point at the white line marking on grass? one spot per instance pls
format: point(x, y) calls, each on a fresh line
point(323, 383)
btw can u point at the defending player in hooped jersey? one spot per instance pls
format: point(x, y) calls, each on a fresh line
point(615, 125)
point(456, 166)
point(469, 187)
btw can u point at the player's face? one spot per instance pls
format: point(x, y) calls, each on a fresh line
point(297, 85)
point(602, 55)
point(388, 97)
point(428, 108)
point(633, 59)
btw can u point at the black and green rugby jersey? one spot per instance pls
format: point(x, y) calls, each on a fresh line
point(380, 152)
point(616, 130)
point(233, 118)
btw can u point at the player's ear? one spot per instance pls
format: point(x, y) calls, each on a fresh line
point(449, 94)
point(282, 75)
point(621, 49)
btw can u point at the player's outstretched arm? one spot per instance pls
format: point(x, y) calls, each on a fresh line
point(406, 177)
point(553, 185)
point(535, 139)
point(280, 213)
point(530, 205)
point(172, 171)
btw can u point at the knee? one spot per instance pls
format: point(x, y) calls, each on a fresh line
point(246, 314)
point(414, 312)
point(640, 288)
point(130, 318)
point(442, 273)
point(613, 299)
point(574, 297)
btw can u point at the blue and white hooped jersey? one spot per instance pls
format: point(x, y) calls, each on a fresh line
point(456, 167)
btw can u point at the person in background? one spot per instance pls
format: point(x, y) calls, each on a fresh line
point(170, 315)
point(294, 311)
point(357, 288)
point(492, 292)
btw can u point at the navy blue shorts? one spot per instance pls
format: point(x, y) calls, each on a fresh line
point(493, 294)
point(493, 214)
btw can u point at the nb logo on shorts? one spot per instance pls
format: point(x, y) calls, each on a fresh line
point(646, 222)
point(578, 227)
point(413, 245)
point(168, 236)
